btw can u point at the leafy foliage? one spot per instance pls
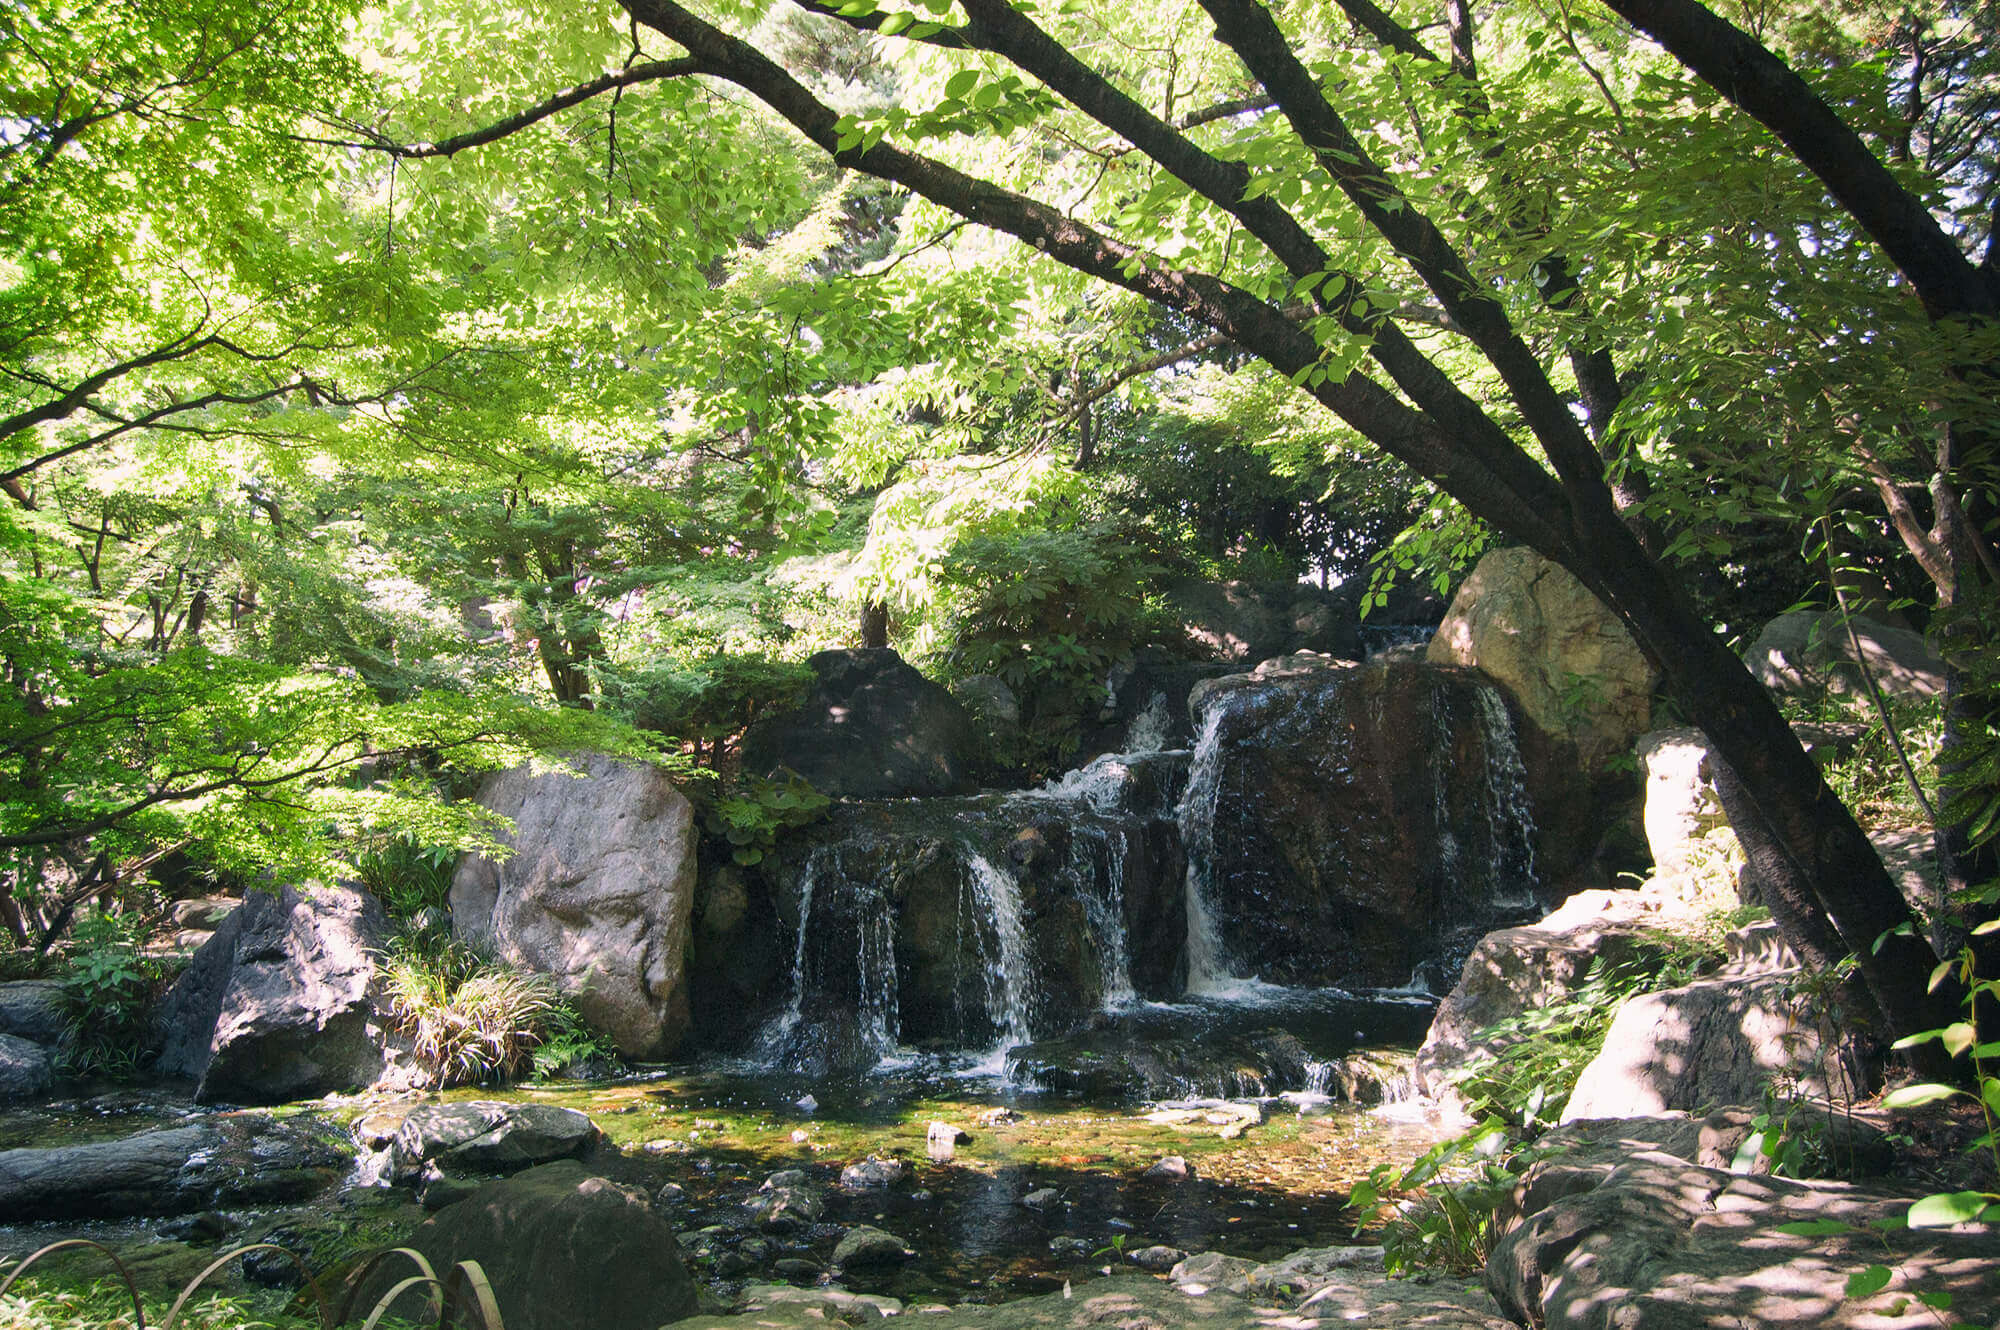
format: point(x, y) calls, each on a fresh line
point(470, 1019)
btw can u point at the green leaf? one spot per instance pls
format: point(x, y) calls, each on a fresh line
point(1816, 1228)
point(964, 81)
point(1948, 1208)
point(1867, 1283)
point(895, 23)
point(1912, 1096)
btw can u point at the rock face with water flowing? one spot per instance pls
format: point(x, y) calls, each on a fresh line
point(277, 1005)
point(598, 894)
point(971, 923)
point(563, 1249)
point(1352, 824)
point(224, 1161)
point(872, 728)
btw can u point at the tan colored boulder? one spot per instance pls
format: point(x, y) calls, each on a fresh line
point(598, 894)
point(1540, 633)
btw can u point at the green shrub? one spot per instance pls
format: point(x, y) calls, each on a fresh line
point(470, 1019)
point(752, 812)
point(109, 991)
point(406, 877)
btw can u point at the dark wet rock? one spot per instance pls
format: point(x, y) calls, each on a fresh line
point(866, 1248)
point(599, 894)
point(670, 1196)
point(798, 1267)
point(1173, 1168)
point(1355, 823)
point(1718, 1041)
point(786, 1177)
point(33, 1009)
point(1146, 704)
point(224, 1161)
point(872, 728)
point(785, 1209)
point(872, 1173)
point(203, 1229)
point(1252, 621)
point(26, 1069)
point(1658, 1243)
point(562, 1248)
point(1043, 1199)
point(277, 1006)
point(1067, 1247)
point(1157, 1258)
point(437, 1190)
point(486, 1136)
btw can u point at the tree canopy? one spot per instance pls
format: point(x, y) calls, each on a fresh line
point(391, 391)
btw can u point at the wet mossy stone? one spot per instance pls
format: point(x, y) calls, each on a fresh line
point(562, 1248)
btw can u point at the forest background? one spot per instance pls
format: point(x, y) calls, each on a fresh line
point(391, 394)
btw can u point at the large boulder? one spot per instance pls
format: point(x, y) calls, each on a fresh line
point(598, 893)
point(872, 728)
point(238, 1159)
point(562, 1249)
point(1532, 627)
point(33, 1009)
point(1350, 824)
point(1810, 653)
point(1246, 622)
point(26, 1069)
point(1659, 1243)
point(1517, 970)
point(277, 1005)
point(1720, 1041)
point(484, 1136)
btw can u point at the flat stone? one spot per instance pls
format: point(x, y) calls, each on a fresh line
point(486, 1136)
point(222, 1162)
point(870, 1248)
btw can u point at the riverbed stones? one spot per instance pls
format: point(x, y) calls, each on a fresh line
point(872, 1174)
point(598, 893)
point(868, 1248)
point(872, 728)
point(1157, 1258)
point(277, 1005)
point(222, 1161)
point(1533, 628)
point(563, 1249)
point(487, 1136)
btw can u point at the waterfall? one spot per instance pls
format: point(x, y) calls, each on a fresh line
point(1009, 996)
point(1509, 816)
point(1208, 966)
point(1151, 727)
point(777, 1036)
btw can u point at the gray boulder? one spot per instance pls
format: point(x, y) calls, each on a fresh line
point(25, 1068)
point(1658, 1243)
point(32, 1009)
point(1517, 970)
point(1720, 1041)
point(1810, 653)
point(1540, 633)
point(872, 728)
point(277, 1005)
point(598, 894)
point(483, 1136)
point(562, 1248)
point(221, 1162)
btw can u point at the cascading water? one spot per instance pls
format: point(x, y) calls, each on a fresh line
point(1510, 817)
point(1009, 983)
point(1208, 969)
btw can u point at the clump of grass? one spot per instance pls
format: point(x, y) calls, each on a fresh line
point(470, 1019)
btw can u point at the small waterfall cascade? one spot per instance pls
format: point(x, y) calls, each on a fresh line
point(1150, 727)
point(843, 969)
point(1208, 969)
point(1510, 817)
point(1379, 637)
point(1009, 983)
